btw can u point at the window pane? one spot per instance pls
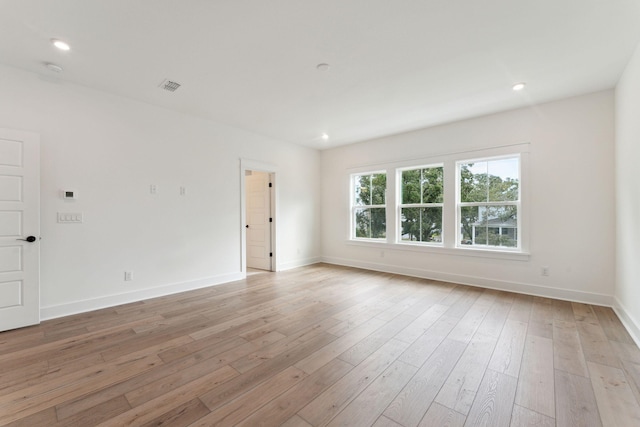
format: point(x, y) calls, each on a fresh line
point(411, 186)
point(362, 190)
point(370, 223)
point(503, 180)
point(432, 185)
point(378, 223)
point(469, 218)
point(362, 223)
point(490, 226)
point(421, 224)
point(378, 188)
point(410, 222)
point(431, 224)
point(474, 182)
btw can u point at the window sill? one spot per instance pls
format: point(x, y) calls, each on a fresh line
point(441, 250)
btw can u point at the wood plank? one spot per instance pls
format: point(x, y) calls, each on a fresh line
point(521, 308)
point(439, 415)
point(584, 313)
point(575, 401)
point(98, 396)
point(421, 324)
point(493, 322)
point(632, 373)
point(171, 382)
point(295, 421)
point(595, 345)
point(180, 416)
point(383, 421)
point(238, 386)
point(329, 352)
point(242, 407)
point(423, 347)
point(324, 407)
point(567, 350)
point(523, 417)
point(494, 401)
point(416, 397)
point(536, 381)
point(96, 414)
point(158, 407)
point(507, 356)
point(375, 340)
point(466, 328)
point(542, 329)
point(616, 402)
point(612, 326)
point(541, 318)
point(562, 310)
point(36, 398)
point(288, 404)
point(459, 390)
point(273, 350)
point(46, 417)
point(368, 406)
point(460, 308)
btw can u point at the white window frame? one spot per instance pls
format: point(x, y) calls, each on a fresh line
point(354, 207)
point(517, 204)
point(450, 219)
point(400, 205)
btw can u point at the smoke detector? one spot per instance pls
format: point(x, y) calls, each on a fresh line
point(169, 85)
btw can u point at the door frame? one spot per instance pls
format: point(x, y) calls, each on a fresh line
point(272, 170)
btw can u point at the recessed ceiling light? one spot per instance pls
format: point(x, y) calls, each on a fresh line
point(322, 67)
point(519, 86)
point(324, 137)
point(53, 67)
point(60, 44)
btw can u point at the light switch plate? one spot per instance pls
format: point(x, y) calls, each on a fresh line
point(70, 217)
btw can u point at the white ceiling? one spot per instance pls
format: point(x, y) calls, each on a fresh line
point(394, 65)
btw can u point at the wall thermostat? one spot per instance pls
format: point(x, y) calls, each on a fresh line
point(69, 194)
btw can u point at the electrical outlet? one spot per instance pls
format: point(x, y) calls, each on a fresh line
point(153, 189)
point(544, 271)
point(128, 276)
point(381, 254)
point(183, 191)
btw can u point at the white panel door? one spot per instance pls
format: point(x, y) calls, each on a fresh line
point(258, 226)
point(19, 229)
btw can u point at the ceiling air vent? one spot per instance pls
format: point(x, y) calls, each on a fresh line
point(169, 85)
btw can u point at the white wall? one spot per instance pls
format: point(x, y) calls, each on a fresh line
point(110, 149)
point(627, 157)
point(571, 199)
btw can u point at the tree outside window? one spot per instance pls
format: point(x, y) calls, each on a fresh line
point(369, 206)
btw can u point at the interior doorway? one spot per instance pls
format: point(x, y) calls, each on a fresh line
point(259, 217)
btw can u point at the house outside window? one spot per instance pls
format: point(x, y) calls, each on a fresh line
point(489, 203)
point(421, 203)
point(368, 207)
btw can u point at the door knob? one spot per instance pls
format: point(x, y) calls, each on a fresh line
point(29, 239)
point(246, 226)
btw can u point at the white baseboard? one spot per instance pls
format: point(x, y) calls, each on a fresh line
point(83, 306)
point(629, 322)
point(298, 263)
point(521, 288)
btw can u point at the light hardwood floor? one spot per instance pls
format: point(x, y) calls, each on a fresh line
point(325, 345)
